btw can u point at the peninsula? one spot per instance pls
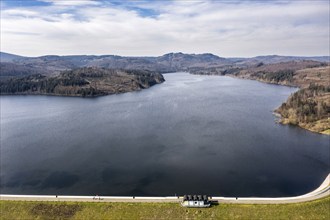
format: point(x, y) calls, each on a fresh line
point(88, 75)
point(88, 81)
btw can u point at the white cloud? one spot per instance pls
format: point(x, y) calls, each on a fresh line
point(226, 29)
point(21, 12)
point(72, 2)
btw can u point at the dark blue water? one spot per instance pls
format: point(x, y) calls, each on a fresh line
point(190, 135)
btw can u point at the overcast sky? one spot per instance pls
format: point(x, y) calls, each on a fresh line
point(151, 28)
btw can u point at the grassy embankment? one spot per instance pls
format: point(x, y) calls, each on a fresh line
point(319, 209)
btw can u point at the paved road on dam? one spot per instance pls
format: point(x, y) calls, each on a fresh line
point(320, 192)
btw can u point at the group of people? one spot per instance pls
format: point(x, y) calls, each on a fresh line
point(97, 197)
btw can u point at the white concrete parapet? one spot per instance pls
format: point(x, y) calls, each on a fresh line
point(322, 191)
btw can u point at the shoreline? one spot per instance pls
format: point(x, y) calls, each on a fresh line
point(322, 191)
point(285, 121)
point(282, 120)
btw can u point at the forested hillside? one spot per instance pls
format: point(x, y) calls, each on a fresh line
point(88, 75)
point(308, 108)
point(82, 82)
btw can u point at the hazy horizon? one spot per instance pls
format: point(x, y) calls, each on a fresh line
point(232, 57)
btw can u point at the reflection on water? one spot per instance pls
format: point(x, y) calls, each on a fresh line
point(190, 135)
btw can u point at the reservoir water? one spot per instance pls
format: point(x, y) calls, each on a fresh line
point(190, 135)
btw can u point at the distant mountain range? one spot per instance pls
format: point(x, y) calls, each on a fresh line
point(15, 65)
point(278, 59)
point(87, 75)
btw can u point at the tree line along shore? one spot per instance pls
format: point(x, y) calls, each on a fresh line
point(308, 108)
point(86, 82)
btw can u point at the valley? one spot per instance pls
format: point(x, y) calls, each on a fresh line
point(86, 75)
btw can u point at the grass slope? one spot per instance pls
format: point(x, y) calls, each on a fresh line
point(319, 209)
